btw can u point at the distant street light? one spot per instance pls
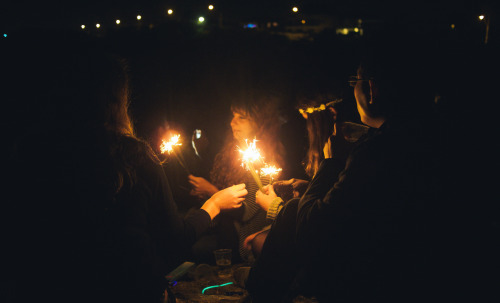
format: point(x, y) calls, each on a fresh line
point(118, 21)
point(210, 7)
point(139, 17)
point(295, 9)
point(487, 27)
point(303, 21)
point(98, 25)
point(83, 26)
point(201, 19)
point(170, 11)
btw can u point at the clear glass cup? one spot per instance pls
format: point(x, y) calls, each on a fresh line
point(223, 261)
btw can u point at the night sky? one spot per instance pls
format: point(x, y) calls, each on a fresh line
point(30, 13)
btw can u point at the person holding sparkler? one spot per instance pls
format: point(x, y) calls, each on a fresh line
point(274, 270)
point(99, 223)
point(254, 116)
point(367, 234)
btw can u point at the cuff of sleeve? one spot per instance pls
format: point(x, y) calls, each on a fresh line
point(274, 208)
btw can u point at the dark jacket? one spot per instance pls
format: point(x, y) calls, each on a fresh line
point(77, 240)
point(365, 239)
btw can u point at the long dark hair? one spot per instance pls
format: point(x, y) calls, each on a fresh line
point(319, 124)
point(74, 109)
point(263, 109)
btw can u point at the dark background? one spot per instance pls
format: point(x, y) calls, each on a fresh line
point(185, 75)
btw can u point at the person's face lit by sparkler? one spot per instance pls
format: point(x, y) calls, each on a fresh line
point(242, 126)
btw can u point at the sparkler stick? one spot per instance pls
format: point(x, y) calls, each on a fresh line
point(255, 176)
point(169, 148)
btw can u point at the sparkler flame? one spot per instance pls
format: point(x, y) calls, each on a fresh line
point(250, 155)
point(169, 146)
point(270, 170)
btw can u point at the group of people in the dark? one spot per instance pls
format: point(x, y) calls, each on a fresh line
point(91, 216)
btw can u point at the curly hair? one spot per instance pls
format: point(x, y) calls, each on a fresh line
point(263, 110)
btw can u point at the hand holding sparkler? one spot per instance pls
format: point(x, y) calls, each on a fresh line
point(228, 198)
point(265, 197)
point(201, 187)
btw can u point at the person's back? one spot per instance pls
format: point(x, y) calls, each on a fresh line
point(366, 238)
point(79, 235)
point(92, 214)
point(374, 246)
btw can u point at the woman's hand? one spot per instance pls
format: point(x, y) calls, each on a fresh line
point(227, 198)
point(201, 187)
point(265, 197)
point(298, 186)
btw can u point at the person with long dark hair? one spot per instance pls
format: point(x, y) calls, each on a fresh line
point(98, 223)
point(255, 116)
point(365, 235)
point(277, 264)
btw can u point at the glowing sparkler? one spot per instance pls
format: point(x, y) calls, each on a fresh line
point(168, 147)
point(249, 157)
point(271, 171)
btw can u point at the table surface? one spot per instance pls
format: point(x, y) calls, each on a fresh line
point(190, 287)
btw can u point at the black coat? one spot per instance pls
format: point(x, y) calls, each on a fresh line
point(366, 238)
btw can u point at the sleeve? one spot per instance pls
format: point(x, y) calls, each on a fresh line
point(249, 208)
point(275, 208)
point(168, 227)
point(327, 196)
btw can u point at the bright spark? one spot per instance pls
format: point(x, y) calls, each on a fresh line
point(251, 154)
point(270, 170)
point(169, 146)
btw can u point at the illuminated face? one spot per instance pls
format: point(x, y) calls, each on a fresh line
point(242, 126)
point(362, 95)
